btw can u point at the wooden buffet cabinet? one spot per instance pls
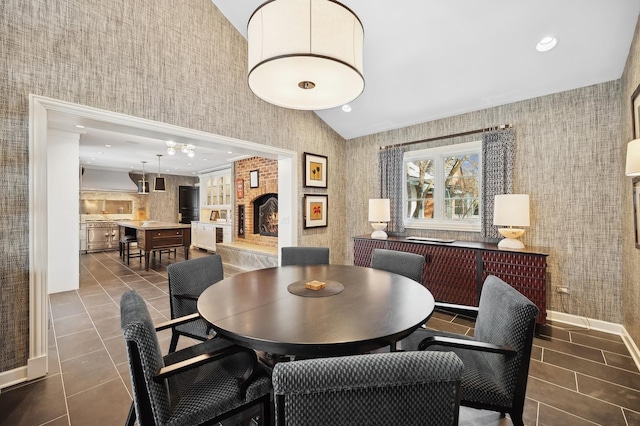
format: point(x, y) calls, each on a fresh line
point(454, 272)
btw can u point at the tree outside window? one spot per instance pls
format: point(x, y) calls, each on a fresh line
point(443, 187)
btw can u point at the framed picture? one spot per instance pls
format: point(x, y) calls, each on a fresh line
point(635, 112)
point(315, 211)
point(239, 188)
point(213, 216)
point(315, 170)
point(636, 209)
point(254, 178)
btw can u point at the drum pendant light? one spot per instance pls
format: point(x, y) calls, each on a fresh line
point(305, 54)
point(158, 182)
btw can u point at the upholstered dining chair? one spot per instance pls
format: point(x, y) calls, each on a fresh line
point(399, 388)
point(403, 263)
point(496, 359)
point(202, 384)
point(304, 256)
point(187, 280)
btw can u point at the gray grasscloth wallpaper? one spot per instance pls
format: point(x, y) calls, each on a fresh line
point(174, 61)
point(568, 160)
point(630, 254)
point(181, 62)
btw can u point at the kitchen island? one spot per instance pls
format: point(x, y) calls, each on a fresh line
point(154, 235)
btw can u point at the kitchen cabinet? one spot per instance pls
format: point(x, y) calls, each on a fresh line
point(205, 235)
point(216, 190)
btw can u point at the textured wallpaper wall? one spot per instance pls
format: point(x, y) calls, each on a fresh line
point(568, 160)
point(174, 61)
point(630, 254)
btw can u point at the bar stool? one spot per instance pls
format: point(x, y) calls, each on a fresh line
point(125, 248)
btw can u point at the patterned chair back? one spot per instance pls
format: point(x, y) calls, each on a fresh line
point(410, 265)
point(192, 276)
point(145, 360)
point(506, 317)
point(304, 256)
point(401, 388)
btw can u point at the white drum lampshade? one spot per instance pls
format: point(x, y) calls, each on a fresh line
point(379, 215)
point(633, 158)
point(305, 54)
point(511, 210)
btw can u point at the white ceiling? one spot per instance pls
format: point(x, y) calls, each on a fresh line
point(430, 59)
point(423, 60)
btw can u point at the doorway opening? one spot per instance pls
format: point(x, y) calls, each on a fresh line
point(46, 218)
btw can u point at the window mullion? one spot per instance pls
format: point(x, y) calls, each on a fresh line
point(439, 188)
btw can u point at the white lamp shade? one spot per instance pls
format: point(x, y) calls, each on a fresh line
point(511, 210)
point(379, 210)
point(633, 158)
point(293, 41)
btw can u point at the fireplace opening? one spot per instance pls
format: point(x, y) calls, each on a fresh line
point(265, 215)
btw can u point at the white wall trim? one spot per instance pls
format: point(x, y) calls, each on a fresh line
point(598, 325)
point(13, 377)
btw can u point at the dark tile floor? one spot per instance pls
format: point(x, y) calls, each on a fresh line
point(577, 376)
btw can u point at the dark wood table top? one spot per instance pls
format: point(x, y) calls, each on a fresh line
point(375, 309)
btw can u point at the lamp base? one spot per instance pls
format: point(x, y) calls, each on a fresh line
point(510, 243)
point(378, 232)
point(510, 235)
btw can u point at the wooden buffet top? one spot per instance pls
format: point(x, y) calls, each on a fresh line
point(459, 244)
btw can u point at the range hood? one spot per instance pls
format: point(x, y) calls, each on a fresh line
point(106, 181)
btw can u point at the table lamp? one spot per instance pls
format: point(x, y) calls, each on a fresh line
point(511, 210)
point(633, 158)
point(379, 215)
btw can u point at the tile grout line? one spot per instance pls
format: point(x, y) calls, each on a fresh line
point(579, 393)
point(571, 414)
point(64, 389)
point(103, 345)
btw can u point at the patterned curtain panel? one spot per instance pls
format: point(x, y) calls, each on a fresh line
point(498, 156)
point(390, 172)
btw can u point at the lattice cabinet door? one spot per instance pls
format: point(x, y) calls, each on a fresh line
point(362, 249)
point(527, 273)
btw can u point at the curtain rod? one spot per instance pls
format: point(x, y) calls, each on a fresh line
point(437, 138)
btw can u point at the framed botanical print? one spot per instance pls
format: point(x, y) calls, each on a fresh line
point(315, 170)
point(315, 211)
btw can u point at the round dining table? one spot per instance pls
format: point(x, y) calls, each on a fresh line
point(359, 310)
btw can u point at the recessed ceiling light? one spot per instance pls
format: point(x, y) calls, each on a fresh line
point(229, 152)
point(346, 108)
point(546, 44)
point(99, 152)
point(108, 146)
point(79, 126)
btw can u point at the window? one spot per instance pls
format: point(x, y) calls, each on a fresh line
point(443, 187)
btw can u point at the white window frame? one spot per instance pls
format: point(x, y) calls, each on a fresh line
point(437, 154)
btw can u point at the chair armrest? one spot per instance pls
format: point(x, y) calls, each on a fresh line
point(466, 344)
point(177, 321)
point(470, 311)
point(182, 365)
point(186, 296)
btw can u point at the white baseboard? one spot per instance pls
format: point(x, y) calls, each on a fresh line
point(13, 377)
point(598, 325)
